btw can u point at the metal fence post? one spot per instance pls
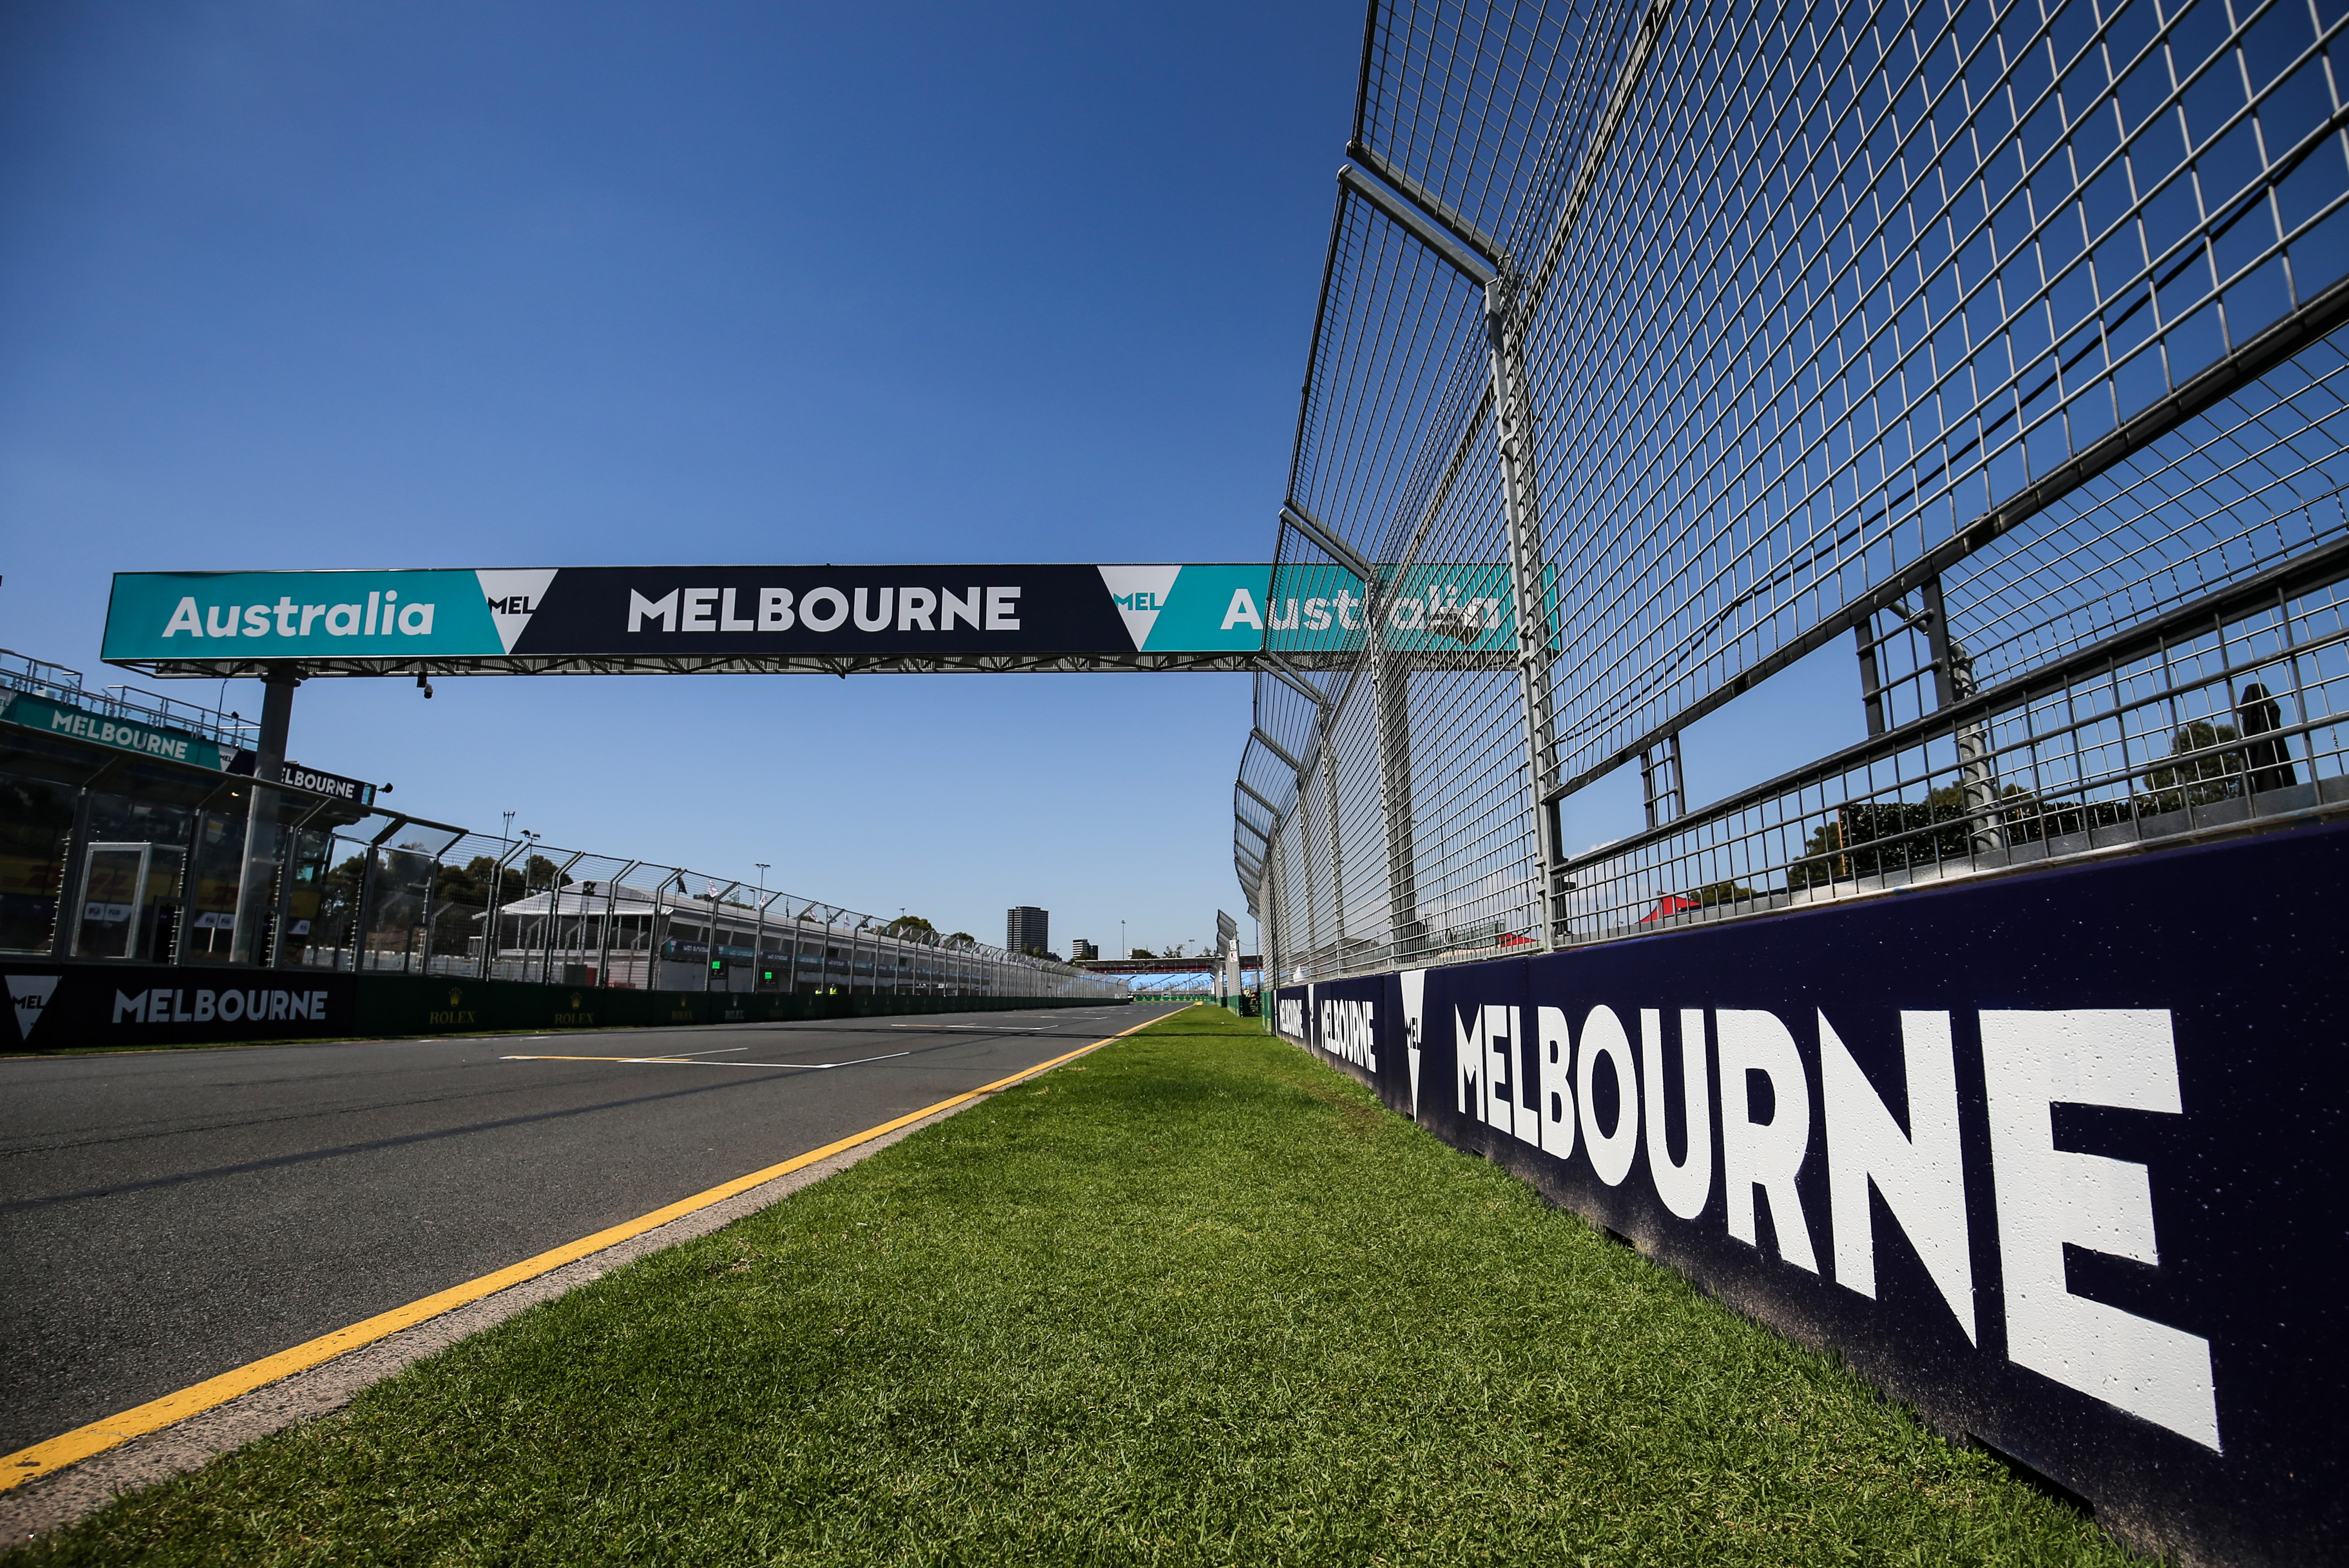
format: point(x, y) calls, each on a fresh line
point(1953, 683)
point(488, 919)
point(1391, 698)
point(652, 933)
point(1337, 841)
point(1269, 913)
point(1513, 432)
point(431, 887)
point(1872, 676)
point(611, 914)
point(1661, 781)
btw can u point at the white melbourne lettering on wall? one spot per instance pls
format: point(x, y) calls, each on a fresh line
point(1347, 1033)
point(114, 732)
point(1545, 1089)
point(177, 1004)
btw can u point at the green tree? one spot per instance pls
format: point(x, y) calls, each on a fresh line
point(338, 902)
point(2201, 781)
point(1870, 838)
point(538, 872)
point(909, 926)
point(460, 894)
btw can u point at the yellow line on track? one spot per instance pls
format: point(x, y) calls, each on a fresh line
point(46, 1459)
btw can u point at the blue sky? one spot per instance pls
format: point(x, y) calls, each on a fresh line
point(306, 285)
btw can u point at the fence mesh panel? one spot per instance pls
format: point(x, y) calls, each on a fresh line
point(2000, 342)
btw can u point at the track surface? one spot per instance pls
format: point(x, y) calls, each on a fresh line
point(167, 1215)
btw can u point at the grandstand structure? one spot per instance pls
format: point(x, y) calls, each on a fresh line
point(1996, 343)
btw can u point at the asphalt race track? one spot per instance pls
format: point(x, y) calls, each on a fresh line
point(167, 1215)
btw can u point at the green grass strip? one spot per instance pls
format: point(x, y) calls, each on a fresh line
point(1193, 1299)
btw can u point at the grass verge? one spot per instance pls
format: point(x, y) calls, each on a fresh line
point(1194, 1298)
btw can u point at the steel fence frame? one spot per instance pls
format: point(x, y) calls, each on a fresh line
point(382, 891)
point(564, 916)
point(2000, 337)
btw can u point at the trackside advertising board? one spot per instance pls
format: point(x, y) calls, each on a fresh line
point(2057, 1158)
point(67, 1006)
point(122, 734)
point(360, 622)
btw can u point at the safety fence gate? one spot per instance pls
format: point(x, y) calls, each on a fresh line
point(1993, 352)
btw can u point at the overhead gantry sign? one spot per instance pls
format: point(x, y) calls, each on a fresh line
point(838, 620)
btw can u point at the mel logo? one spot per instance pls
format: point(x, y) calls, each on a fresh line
point(30, 993)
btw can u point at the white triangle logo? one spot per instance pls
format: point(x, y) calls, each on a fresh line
point(1414, 997)
point(1141, 593)
point(31, 994)
point(514, 598)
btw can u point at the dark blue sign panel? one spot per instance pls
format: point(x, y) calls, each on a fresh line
point(2058, 1158)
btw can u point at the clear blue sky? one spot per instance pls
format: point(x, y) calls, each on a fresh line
point(304, 285)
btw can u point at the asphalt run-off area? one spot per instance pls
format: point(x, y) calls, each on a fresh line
point(169, 1216)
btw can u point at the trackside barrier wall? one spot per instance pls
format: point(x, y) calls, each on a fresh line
point(69, 1006)
point(2054, 1157)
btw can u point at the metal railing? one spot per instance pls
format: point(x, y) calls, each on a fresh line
point(2000, 339)
point(174, 871)
point(21, 672)
point(415, 897)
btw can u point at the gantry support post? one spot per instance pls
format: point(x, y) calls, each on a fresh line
point(255, 908)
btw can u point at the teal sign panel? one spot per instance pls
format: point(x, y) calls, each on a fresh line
point(1191, 608)
point(617, 619)
point(298, 615)
point(1430, 608)
point(122, 734)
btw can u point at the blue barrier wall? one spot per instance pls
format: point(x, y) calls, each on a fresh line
point(2057, 1158)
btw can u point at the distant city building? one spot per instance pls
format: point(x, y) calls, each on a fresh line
point(1081, 950)
point(1027, 928)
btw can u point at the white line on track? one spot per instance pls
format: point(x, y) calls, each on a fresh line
point(689, 1061)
